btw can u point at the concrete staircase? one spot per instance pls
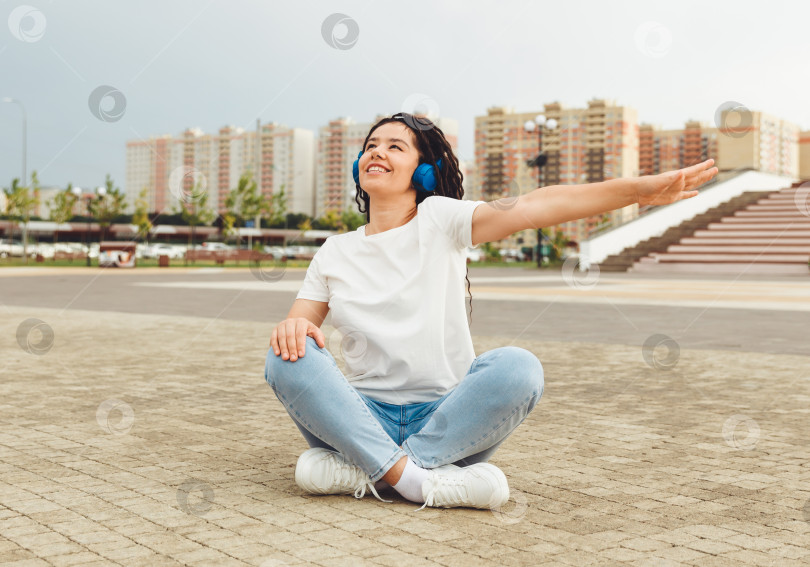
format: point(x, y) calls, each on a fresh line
point(770, 235)
point(625, 259)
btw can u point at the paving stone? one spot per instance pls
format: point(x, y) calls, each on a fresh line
point(634, 469)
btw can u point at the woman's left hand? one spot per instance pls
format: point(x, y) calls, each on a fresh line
point(675, 185)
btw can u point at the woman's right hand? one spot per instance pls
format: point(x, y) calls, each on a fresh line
point(289, 338)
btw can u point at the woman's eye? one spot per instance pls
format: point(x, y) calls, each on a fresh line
point(397, 147)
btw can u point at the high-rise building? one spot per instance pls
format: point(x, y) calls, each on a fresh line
point(667, 150)
point(339, 142)
point(804, 155)
point(754, 139)
point(582, 145)
point(170, 168)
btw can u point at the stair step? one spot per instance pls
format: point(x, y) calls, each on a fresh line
point(729, 268)
point(717, 257)
point(802, 221)
point(777, 199)
point(772, 214)
point(744, 241)
point(751, 233)
point(742, 249)
point(786, 207)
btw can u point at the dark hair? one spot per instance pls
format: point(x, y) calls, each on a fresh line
point(432, 146)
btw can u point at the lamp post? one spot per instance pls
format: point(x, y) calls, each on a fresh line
point(539, 123)
point(24, 135)
point(24, 177)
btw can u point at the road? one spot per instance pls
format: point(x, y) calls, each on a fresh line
point(745, 314)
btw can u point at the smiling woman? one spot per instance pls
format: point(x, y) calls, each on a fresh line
point(417, 410)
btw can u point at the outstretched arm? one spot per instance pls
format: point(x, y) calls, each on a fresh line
point(553, 205)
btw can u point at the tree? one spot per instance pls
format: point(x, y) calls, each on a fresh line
point(558, 245)
point(244, 201)
point(352, 220)
point(107, 206)
point(305, 225)
point(277, 210)
point(331, 220)
point(194, 210)
point(140, 217)
point(61, 207)
point(21, 202)
point(228, 224)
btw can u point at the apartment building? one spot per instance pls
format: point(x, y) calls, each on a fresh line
point(339, 142)
point(754, 139)
point(582, 145)
point(665, 150)
point(173, 168)
point(804, 155)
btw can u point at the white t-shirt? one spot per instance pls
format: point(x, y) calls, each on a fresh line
point(398, 299)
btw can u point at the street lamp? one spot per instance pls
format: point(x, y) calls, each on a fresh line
point(539, 123)
point(24, 136)
point(24, 168)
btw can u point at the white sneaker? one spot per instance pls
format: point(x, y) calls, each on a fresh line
point(320, 471)
point(481, 485)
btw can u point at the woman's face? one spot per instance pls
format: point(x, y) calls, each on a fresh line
point(389, 159)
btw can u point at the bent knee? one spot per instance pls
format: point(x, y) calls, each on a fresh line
point(526, 370)
point(278, 370)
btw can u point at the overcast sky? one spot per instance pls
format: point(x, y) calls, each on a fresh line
point(207, 63)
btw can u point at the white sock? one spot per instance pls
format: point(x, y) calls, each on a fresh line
point(410, 483)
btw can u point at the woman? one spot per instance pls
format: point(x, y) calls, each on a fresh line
point(418, 410)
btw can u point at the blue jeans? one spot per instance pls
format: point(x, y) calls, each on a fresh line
point(463, 427)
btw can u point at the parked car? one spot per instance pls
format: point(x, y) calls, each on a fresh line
point(475, 254)
point(512, 255)
point(300, 252)
point(45, 250)
point(215, 246)
point(277, 251)
point(157, 250)
point(13, 248)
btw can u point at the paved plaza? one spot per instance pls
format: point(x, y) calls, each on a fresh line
point(137, 429)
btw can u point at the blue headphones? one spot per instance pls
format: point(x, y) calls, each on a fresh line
point(424, 178)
